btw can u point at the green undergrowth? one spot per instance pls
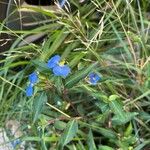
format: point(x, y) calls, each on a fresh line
point(110, 38)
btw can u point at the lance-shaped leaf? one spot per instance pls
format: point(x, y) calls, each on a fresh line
point(68, 135)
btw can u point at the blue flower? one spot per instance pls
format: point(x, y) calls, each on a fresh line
point(94, 78)
point(15, 143)
point(58, 67)
point(29, 90)
point(33, 78)
point(53, 61)
point(62, 3)
point(61, 70)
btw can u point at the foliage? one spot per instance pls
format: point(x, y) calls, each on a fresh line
point(109, 38)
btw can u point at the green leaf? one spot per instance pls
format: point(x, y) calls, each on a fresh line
point(75, 78)
point(104, 107)
point(40, 66)
point(128, 116)
point(60, 125)
point(68, 135)
point(38, 104)
point(144, 116)
point(77, 59)
point(57, 42)
point(68, 49)
point(80, 145)
point(121, 117)
point(142, 145)
point(113, 97)
point(40, 10)
point(129, 130)
point(99, 95)
point(90, 142)
point(104, 147)
point(59, 85)
point(117, 108)
point(104, 131)
point(107, 133)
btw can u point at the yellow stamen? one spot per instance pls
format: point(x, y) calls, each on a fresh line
point(61, 63)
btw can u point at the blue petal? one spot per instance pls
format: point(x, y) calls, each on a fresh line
point(61, 70)
point(15, 143)
point(53, 61)
point(29, 91)
point(94, 78)
point(33, 77)
point(62, 2)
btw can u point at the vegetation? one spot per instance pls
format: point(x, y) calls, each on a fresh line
point(108, 38)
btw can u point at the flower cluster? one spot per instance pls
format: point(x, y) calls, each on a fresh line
point(33, 78)
point(58, 67)
point(93, 78)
